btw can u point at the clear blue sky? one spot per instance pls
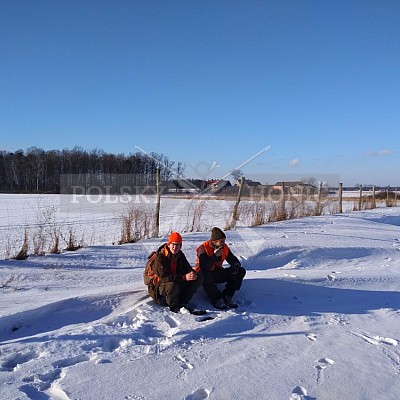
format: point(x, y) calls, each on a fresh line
point(208, 81)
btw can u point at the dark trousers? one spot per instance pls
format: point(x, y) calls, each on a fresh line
point(221, 275)
point(173, 294)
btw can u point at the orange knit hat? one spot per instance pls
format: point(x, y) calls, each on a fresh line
point(175, 237)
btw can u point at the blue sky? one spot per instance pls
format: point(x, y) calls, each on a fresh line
point(208, 83)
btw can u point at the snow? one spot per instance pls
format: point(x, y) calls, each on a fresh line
point(318, 319)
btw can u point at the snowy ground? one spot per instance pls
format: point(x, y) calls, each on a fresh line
point(318, 319)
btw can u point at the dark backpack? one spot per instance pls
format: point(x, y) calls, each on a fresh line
point(149, 276)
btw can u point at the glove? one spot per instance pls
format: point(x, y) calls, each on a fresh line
point(236, 267)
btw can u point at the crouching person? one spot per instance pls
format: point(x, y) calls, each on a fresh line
point(173, 282)
point(210, 257)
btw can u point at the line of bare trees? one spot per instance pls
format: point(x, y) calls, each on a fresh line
point(38, 171)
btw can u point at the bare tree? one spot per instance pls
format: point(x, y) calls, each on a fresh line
point(39, 171)
point(236, 174)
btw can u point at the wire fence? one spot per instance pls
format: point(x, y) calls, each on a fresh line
point(40, 224)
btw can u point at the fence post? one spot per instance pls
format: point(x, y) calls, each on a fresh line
point(388, 196)
point(319, 210)
point(156, 230)
point(234, 217)
point(360, 199)
point(282, 206)
point(340, 198)
point(373, 197)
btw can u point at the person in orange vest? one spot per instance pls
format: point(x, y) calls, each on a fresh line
point(210, 257)
point(177, 281)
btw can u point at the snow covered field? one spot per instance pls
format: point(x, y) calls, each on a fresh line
point(98, 220)
point(94, 222)
point(319, 318)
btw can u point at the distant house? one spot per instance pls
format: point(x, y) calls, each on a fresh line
point(296, 187)
point(216, 185)
point(183, 186)
point(248, 183)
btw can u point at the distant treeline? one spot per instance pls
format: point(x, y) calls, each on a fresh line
point(38, 171)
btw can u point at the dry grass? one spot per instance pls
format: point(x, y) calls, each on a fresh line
point(23, 253)
point(277, 212)
point(72, 242)
point(12, 280)
point(136, 225)
point(195, 219)
point(259, 216)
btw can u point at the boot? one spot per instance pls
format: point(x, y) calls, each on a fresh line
point(219, 304)
point(228, 302)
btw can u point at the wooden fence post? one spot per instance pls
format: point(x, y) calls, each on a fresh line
point(373, 197)
point(234, 216)
point(388, 197)
point(340, 197)
point(156, 230)
point(360, 199)
point(282, 206)
point(319, 210)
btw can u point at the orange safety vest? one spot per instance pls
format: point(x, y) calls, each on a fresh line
point(210, 251)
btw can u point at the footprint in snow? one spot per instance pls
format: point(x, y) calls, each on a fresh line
point(110, 345)
point(377, 340)
point(323, 363)
point(298, 393)
point(33, 393)
point(44, 386)
point(69, 362)
point(183, 362)
point(338, 319)
point(199, 394)
point(173, 326)
point(43, 381)
point(12, 363)
point(133, 319)
point(312, 337)
point(103, 361)
point(38, 384)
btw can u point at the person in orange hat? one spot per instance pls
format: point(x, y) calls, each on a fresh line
point(176, 281)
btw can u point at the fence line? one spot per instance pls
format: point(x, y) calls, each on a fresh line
point(48, 227)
